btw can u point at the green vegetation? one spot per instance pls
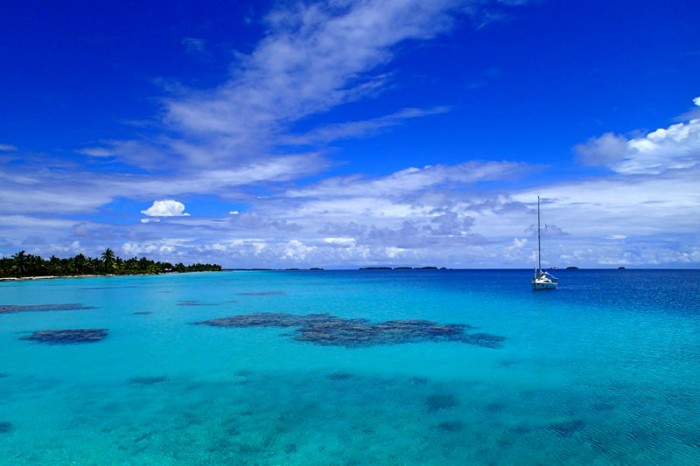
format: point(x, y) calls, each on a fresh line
point(28, 265)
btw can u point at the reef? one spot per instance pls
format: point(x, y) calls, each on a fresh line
point(14, 308)
point(566, 428)
point(148, 380)
point(328, 330)
point(438, 402)
point(194, 303)
point(68, 336)
point(5, 427)
point(451, 426)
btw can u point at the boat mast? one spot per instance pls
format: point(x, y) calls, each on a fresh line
point(539, 248)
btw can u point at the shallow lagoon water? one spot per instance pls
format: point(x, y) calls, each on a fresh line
point(601, 371)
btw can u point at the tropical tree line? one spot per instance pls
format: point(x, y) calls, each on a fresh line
point(29, 265)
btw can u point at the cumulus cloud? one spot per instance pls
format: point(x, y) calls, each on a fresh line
point(166, 208)
point(607, 149)
point(672, 148)
point(341, 242)
point(296, 250)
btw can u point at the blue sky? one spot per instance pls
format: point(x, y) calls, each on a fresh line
point(341, 134)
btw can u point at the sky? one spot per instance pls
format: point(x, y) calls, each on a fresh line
point(342, 134)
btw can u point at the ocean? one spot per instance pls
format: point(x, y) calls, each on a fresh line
point(390, 367)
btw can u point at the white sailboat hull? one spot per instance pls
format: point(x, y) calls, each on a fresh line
point(546, 284)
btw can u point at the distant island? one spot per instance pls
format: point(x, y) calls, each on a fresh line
point(428, 267)
point(23, 265)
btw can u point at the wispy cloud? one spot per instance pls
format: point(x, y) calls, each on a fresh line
point(314, 57)
point(357, 129)
point(76, 190)
point(409, 180)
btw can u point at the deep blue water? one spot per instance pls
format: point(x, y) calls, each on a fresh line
point(603, 370)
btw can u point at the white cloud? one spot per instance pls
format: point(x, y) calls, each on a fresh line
point(254, 221)
point(163, 248)
point(297, 251)
point(518, 243)
point(673, 148)
point(97, 152)
point(356, 129)
point(409, 180)
point(7, 148)
point(166, 208)
point(607, 149)
point(340, 241)
point(314, 57)
point(394, 252)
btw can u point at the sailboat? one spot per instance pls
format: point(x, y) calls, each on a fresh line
point(542, 280)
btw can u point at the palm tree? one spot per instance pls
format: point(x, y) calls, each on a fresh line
point(80, 262)
point(55, 266)
point(108, 259)
point(20, 266)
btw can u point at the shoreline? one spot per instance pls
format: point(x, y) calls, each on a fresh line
point(54, 277)
point(48, 277)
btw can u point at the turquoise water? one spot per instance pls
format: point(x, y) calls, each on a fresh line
point(604, 370)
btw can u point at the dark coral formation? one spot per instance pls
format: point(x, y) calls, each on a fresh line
point(5, 427)
point(148, 380)
point(264, 319)
point(328, 330)
point(14, 308)
point(194, 303)
point(68, 336)
point(451, 426)
point(566, 428)
point(439, 401)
